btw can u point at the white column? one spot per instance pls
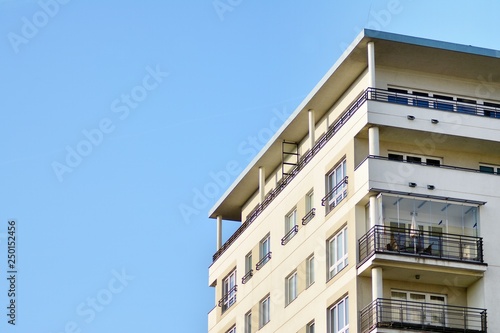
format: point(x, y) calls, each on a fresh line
point(262, 184)
point(373, 211)
point(377, 286)
point(373, 141)
point(371, 64)
point(219, 232)
point(312, 127)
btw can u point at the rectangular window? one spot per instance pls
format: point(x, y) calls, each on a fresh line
point(440, 105)
point(248, 322)
point(492, 110)
point(489, 169)
point(291, 288)
point(310, 327)
point(229, 291)
point(248, 268)
point(232, 329)
point(338, 317)
point(264, 251)
point(423, 101)
point(411, 158)
point(310, 271)
point(433, 305)
point(337, 253)
point(290, 221)
point(466, 105)
point(309, 201)
point(336, 186)
point(265, 311)
point(398, 96)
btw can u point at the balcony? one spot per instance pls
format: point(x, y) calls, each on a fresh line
point(422, 317)
point(425, 244)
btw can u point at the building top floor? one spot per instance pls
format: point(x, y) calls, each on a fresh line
point(458, 75)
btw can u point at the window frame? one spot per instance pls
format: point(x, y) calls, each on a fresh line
point(495, 168)
point(310, 273)
point(229, 290)
point(333, 179)
point(310, 327)
point(291, 288)
point(264, 311)
point(232, 329)
point(333, 316)
point(413, 158)
point(337, 260)
point(248, 322)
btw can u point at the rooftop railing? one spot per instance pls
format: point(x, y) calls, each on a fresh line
point(422, 317)
point(403, 241)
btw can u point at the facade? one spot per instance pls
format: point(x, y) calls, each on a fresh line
point(374, 208)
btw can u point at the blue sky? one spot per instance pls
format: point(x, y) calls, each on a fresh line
point(123, 121)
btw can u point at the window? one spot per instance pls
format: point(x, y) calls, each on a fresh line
point(291, 288)
point(336, 186)
point(310, 327)
point(232, 329)
point(248, 322)
point(396, 97)
point(338, 317)
point(411, 158)
point(442, 105)
point(466, 105)
point(248, 268)
point(493, 110)
point(310, 271)
point(489, 169)
point(291, 227)
point(309, 201)
point(433, 308)
point(229, 291)
point(265, 311)
point(337, 253)
point(265, 251)
point(421, 102)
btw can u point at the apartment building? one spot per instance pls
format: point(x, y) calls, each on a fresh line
point(374, 208)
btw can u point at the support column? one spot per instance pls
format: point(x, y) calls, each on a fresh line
point(262, 184)
point(219, 232)
point(312, 128)
point(371, 65)
point(373, 141)
point(377, 283)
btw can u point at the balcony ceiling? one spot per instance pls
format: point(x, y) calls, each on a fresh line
point(392, 50)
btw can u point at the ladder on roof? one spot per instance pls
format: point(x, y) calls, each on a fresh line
point(289, 157)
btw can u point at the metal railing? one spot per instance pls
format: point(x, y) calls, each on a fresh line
point(442, 104)
point(289, 234)
point(423, 317)
point(335, 196)
point(309, 216)
point(393, 240)
point(247, 276)
point(228, 299)
point(263, 261)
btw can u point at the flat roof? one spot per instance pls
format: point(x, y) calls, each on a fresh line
point(392, 50)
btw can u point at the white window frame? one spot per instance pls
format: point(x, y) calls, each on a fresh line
point(310, 327)
point(248, 322)
point(339, 310)
point(333, 178)
point(291, 288)
point(309, 201)
point(264, 311)
point(264, 249)
point(310, 274)
point(248, 262)
point(228, 284)
point(337, 247)
point(290, 221)
point(423, 158)
point(232, 329)
point(496, 168)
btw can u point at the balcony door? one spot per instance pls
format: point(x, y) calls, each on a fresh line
point(419, 308)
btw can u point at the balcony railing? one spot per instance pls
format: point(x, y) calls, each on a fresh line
point(368, 94)
point(228, 299)
point(247, 276)
point(263, 261)
point(399, 241)
point(335, 196)
point(309, 216)
point(422, 317)
point(442, 104)
point(289, 234)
